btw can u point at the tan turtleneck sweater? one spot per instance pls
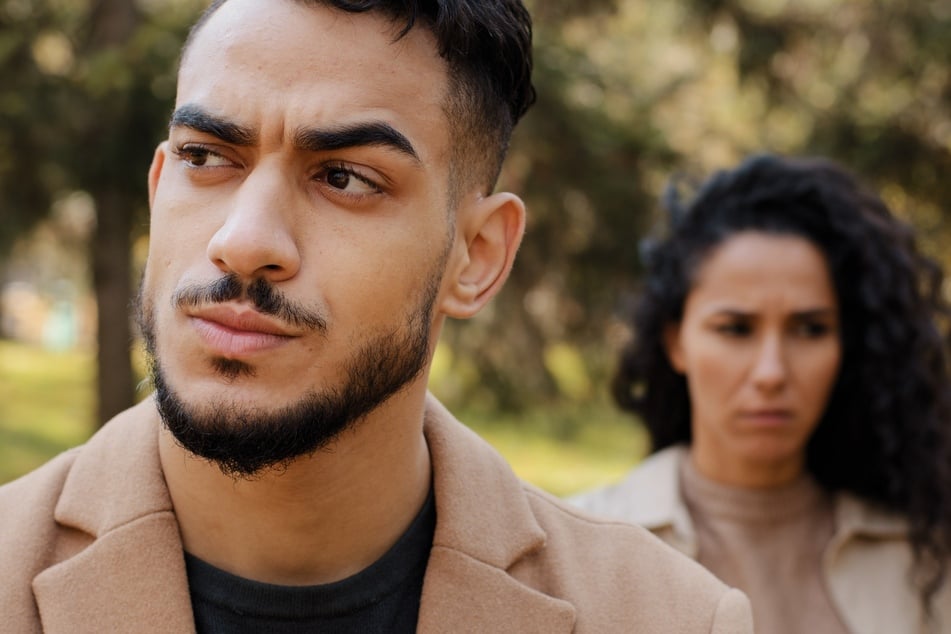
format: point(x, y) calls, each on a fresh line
point(769, 544)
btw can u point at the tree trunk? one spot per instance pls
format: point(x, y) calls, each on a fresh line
point(112, 24)
point(112, 276)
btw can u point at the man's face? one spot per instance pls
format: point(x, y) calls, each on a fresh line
point(299, 225)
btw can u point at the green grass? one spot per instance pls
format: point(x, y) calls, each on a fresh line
point(564, 450)
point(46, 405)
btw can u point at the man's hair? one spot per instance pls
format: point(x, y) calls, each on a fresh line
point(884, 435)
point(487, 45)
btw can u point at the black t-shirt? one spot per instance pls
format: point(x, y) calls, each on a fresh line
point(382, 598)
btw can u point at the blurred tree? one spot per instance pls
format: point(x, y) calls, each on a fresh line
point(868, 83)
point(632, 91)
point(87, 90)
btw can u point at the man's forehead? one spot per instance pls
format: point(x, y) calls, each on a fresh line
point(293, 40)
point(313, 64)
point(236, 16)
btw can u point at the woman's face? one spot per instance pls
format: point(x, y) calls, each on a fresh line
point(759, 345)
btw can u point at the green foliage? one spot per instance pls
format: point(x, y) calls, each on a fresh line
point(632, 92)
point(86, 92)
point(85, 97)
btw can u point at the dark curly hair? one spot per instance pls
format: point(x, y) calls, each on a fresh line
point(487, 45)
point(885, 435)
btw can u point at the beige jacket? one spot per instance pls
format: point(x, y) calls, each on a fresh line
point(866, 562)
point(89, 543)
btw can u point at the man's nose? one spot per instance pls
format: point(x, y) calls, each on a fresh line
point(257, 238)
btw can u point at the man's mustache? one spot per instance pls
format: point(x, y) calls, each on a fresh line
point(265, 298)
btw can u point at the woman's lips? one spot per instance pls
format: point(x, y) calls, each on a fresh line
point(230, 333)
point(767, 417)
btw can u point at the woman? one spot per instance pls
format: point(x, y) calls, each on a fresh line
point(789, 363)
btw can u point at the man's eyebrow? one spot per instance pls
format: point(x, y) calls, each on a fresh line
point(375, 133)
point(196, 118)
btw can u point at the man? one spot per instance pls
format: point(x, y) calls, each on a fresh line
point(322, 204)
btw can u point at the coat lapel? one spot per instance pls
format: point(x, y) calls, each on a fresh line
point(484, 527)
point(130, 580)
point(462, 595)
point(125, 571)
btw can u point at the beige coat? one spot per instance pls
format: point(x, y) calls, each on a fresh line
point(865, 563)
point(90, 543)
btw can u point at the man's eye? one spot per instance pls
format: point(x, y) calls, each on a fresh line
point(200, 156)
point(349, 182)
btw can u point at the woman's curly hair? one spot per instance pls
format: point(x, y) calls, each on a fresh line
point(885, 435)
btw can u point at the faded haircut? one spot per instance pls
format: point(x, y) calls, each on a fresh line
point(487, 45)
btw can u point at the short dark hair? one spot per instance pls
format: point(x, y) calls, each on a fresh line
point(487, 45)
point(886, 432)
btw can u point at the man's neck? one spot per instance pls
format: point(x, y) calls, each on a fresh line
point(323, 518)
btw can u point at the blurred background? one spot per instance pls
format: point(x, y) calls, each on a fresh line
point(630, 92)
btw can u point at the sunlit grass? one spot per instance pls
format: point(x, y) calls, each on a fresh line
point(564, 451)
point(46, 405)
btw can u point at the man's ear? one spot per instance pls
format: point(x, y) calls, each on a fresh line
point(155, 170)
point(488, 234)
point(674, 347)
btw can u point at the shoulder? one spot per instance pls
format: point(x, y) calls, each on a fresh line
point(868, 564)
point(38, 526)
point(500, 541)
point(607, 564)
point(649, 495)
point(28, 534)
point(28, 502)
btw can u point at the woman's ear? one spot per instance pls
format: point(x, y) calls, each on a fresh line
point(673, 347)
point(489, 232)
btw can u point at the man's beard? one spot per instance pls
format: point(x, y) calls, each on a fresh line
point(246, 441)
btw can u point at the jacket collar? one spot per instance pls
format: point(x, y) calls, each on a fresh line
point(854, 517)
point(132, 573)
point(484, 525)
point(649, 496)
point(133, 570)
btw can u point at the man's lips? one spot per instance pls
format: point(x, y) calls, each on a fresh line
point(231, 331)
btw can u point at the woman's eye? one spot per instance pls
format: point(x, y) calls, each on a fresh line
point(734, 329)
point(812, 330)
point(349, 182)
point(200, 156)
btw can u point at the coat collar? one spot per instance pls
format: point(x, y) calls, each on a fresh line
point(132, 571)
point(854, 517)
point(649, 496)
point(484, 525)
